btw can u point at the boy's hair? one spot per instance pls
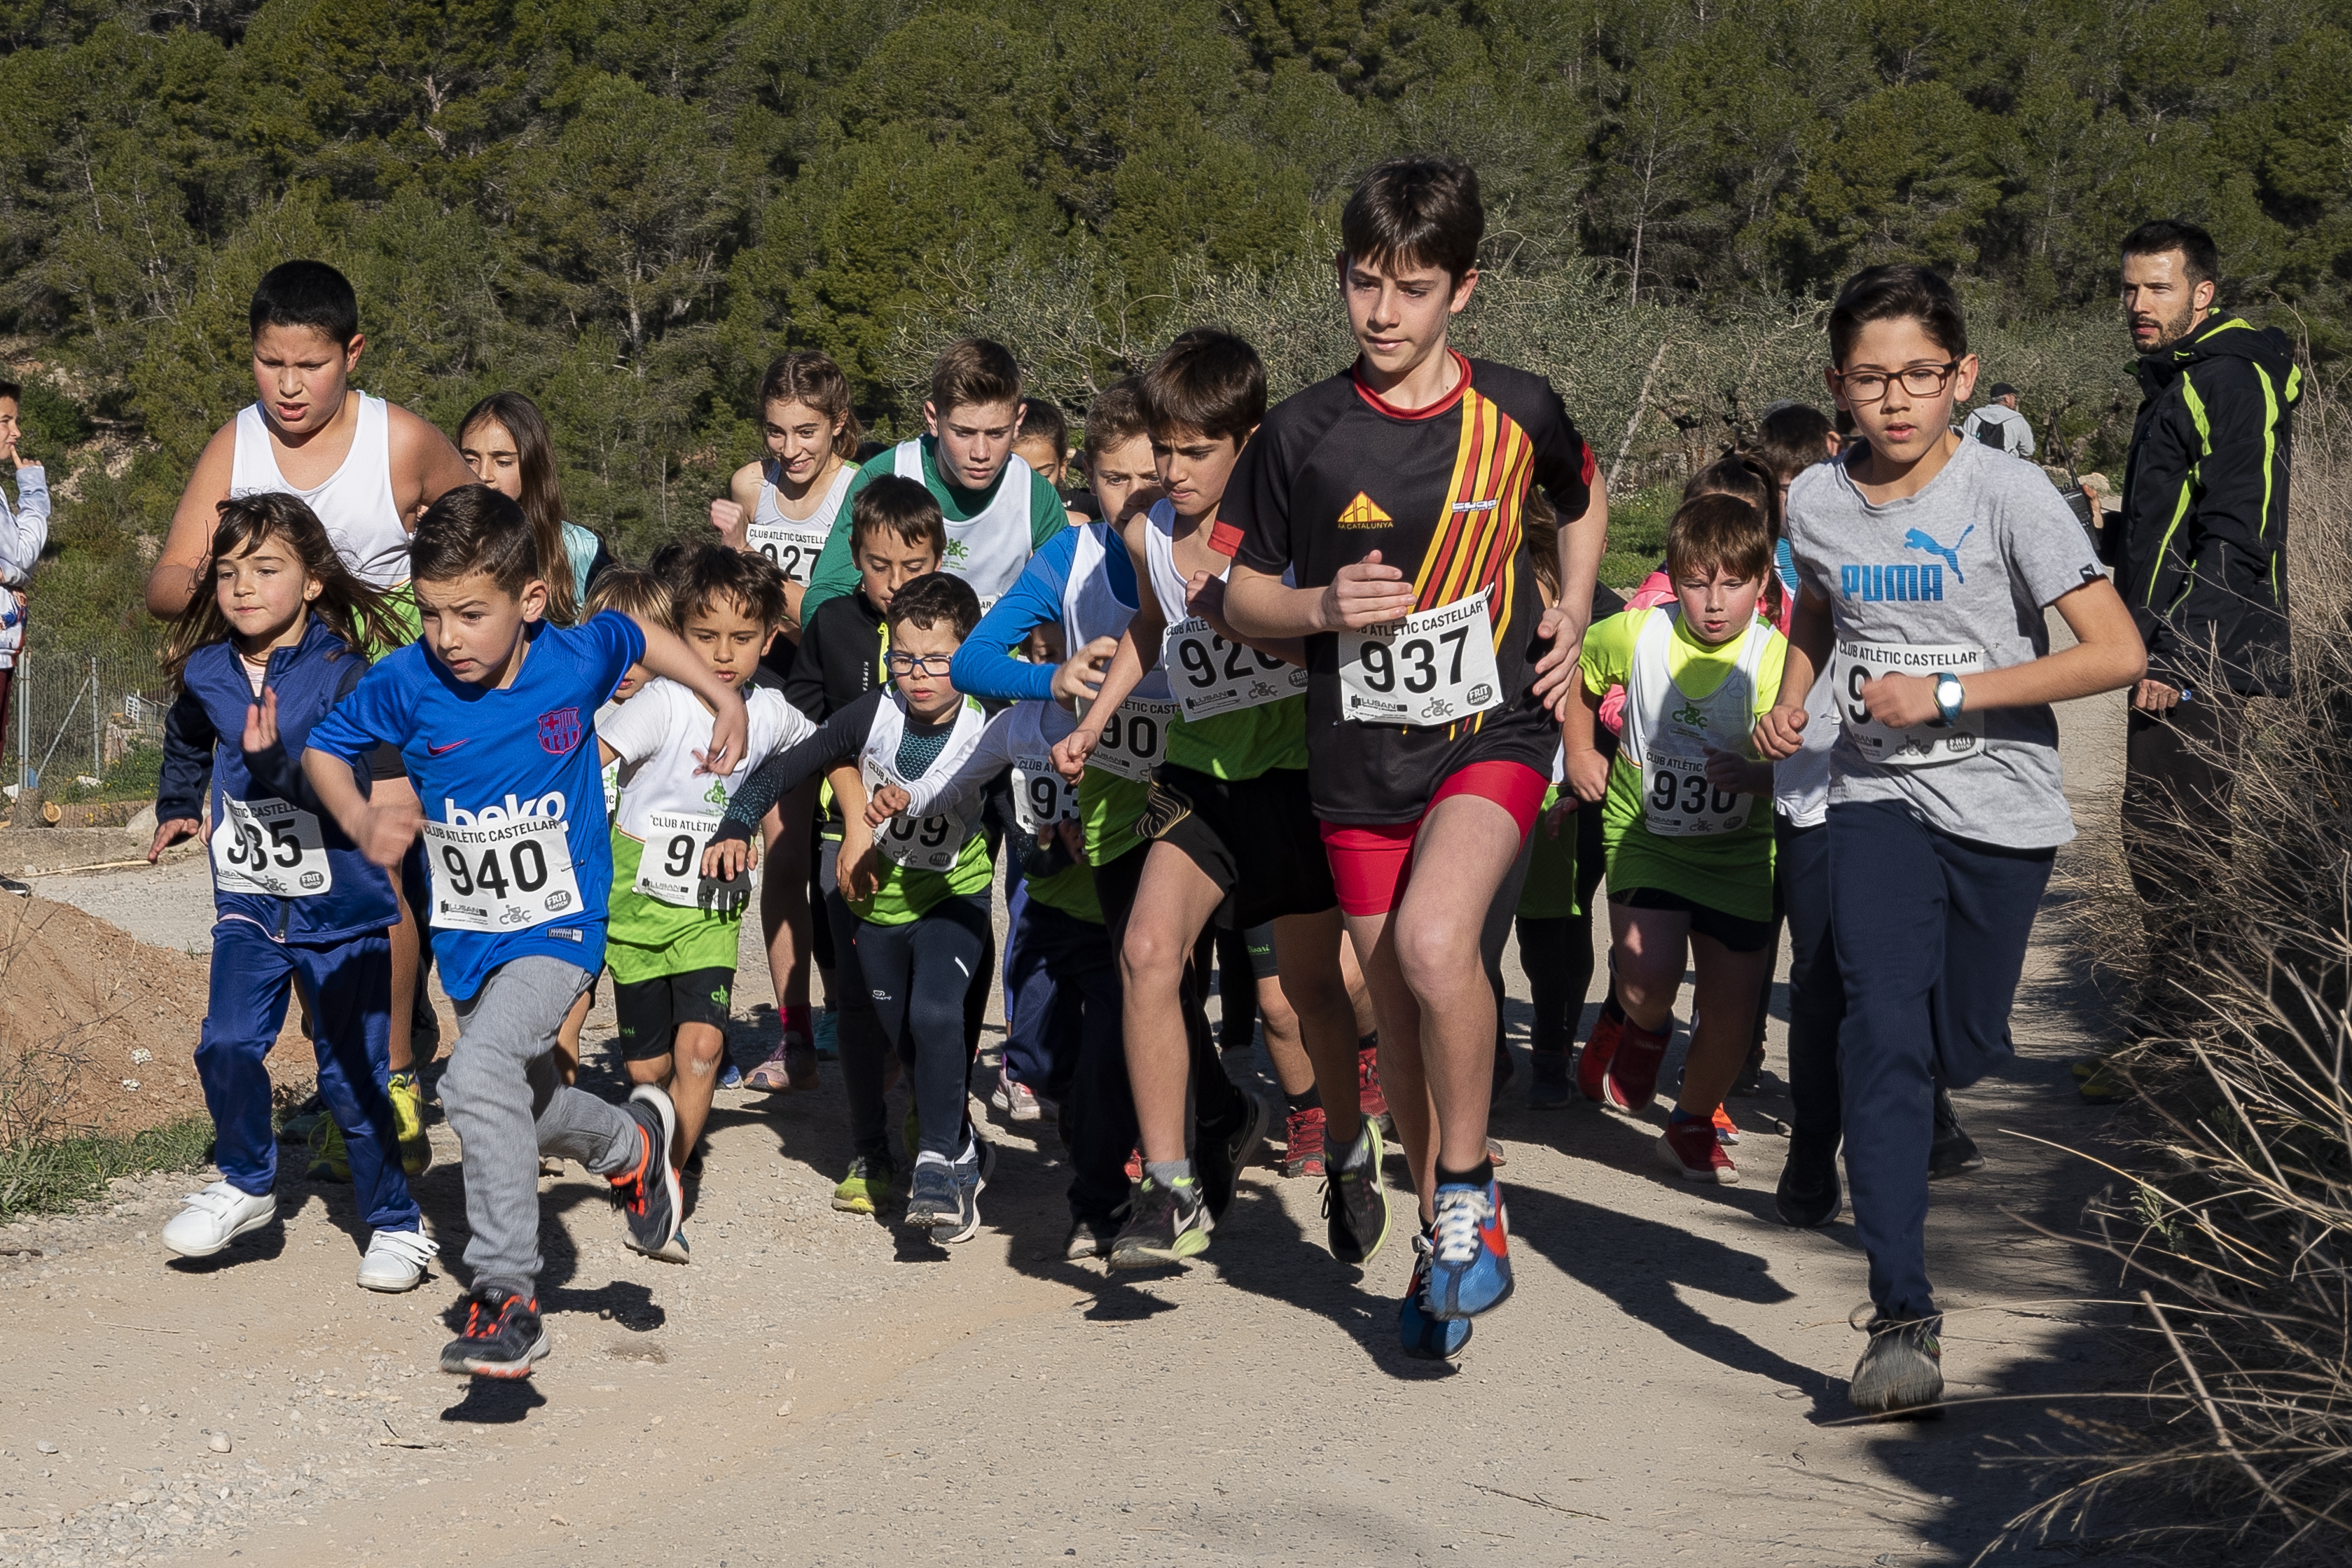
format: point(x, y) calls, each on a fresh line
point(1041, 420)
point(934, 597)
point(814, 379)
point(1898, 292)
point(1791, 438)
point(1207, 381)
point(1416, 211)
point(475, 528)
point(2199, 258)
point(634, 591)
point(542, 492)
point(352, 610)
point(713, 573)
point(1539, 527)
point(904, 506)
point(1717, 532)
point(974, 371)
point(14, 393)
point(307, 294)
point(1115, 417)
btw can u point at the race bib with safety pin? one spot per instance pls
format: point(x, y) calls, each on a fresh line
point(1433, 667)
point(670, 868)
point(271, 848)
point(791, 548)
point(1857, 663)
point(1041, 796)
point(1134, 738)
point(1677, 801)
point(502, 876)
point(1209, 676)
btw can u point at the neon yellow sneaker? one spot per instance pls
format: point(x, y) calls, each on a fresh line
point(329, 1161)
point(408, 1124)
point(868, 1186)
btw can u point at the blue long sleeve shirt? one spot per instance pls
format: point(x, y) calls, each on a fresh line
point(985, 667)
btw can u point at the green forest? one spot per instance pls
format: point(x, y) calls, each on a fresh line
point(624, 207)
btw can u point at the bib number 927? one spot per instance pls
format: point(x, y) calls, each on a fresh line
point(791, 551)
point(505, 876)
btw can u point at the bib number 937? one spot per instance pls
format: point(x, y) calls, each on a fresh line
point(1436, 667)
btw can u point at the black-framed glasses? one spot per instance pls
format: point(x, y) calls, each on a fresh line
point(1920, 380)
point(927, 664)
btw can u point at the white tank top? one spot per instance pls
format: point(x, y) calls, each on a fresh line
point(1091, 608)
point(793, 544)
point(1168, 580)
point(988, 551)
point(1660, 715)
point(354, 502)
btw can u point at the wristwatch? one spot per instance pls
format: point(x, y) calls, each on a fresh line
point(1947, 695)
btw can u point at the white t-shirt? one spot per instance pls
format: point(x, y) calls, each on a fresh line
point(658, 731)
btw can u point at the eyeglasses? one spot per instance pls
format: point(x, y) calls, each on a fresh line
point(1920, 380)
point(927, 664)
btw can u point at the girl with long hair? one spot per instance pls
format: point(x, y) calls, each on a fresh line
point(504, 439)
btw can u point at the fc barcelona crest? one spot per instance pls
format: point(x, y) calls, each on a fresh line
point(558, 732)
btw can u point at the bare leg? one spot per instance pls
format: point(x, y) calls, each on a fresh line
point(1306, 949)
point(1359, 991)
point(1724, 1003)
point(567, 1039)
point(783, 894)
point(407, 952)
point(1172, 901)
point(1647, 949)
point(698, 1049)
point(1280, 1021)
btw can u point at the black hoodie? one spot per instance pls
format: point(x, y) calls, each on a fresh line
point(2199, 544)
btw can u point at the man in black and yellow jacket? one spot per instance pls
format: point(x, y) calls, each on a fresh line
point(2199, 551)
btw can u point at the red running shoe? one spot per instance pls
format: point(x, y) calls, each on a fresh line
point(1370, 1103)
point(1302, 1143)
point(1690, 1147)
point(1631, 1080)
point(1726, 1131)
point(1599, 1051)
point(1134, 1166)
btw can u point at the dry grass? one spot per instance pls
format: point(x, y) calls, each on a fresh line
point(2236, 1237)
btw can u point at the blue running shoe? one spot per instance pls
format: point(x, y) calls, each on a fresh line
point(1425, 1338)
point(1470, 1266)
point(730, 1076)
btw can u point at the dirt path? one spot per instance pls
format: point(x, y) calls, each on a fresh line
point(1668, 1384)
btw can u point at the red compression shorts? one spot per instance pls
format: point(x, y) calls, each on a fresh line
point(1370, 865)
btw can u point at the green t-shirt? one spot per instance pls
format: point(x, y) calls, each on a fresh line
point(1549, 893)
point(1244, 744)
point(1070, 890)
point(835, 573)
point(907, 894)
point(1730, 872)
point(1109, 809)
point(646, 939)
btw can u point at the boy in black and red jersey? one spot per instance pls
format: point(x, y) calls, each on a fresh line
point(1393, 491)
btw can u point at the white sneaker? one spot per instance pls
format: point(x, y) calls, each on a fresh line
point(1017, 1101)
point(216, 1217)
point(396, 1260)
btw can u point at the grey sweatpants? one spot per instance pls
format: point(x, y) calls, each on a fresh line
point(508, 1106)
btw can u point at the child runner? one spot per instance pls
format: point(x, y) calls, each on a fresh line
point(1928, 564)
point(504, 439)
point(24, 533)
point(491, 711)
point(1393, 491)
point(1044, 442)
point(1689, 847)
point(1231, 832)
point(365, 468)
point(995, 508)
point(784, 507)
point(257, 663)
point(671, 947)
point(918, 887)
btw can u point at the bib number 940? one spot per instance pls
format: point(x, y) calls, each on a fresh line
point(505, 876)
point(1436, 667)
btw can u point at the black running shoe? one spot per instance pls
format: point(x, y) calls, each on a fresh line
point(1355, 1207)
point(503, 1336)
point(1089, 1239)
point(1902, 1368)
point(931, 1195)
point(1223, 1153)
point(1164, 1225)
point(1809, 1196)
point(1953, 1152)
point(648, 1191)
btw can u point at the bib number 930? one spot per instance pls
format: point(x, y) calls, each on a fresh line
point(1678, 801)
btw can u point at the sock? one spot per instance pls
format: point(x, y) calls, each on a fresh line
point(1168, 1173)
point(1479, 1177)
point(1368, 1042)
point(796, 1021)
point(1312, 1100)
point(970, 1150)
point(928, 1158)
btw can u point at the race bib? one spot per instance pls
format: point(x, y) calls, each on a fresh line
point(502, 876)
point(932, 843)
point(1859, 663)
point(1431, 668)
point(1208, 676)
point(791, 548)
point(271, 848)
point(1677, 801)
point(1134, 738)
point(1041, 796)
point(670, 868)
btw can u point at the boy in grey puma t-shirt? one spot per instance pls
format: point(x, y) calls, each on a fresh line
point(1957, 577)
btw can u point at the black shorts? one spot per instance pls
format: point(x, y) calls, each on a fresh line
point(649, 1011)
point(1257, 839)
point(1737, 936)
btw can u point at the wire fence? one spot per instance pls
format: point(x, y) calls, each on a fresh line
point(83, 723)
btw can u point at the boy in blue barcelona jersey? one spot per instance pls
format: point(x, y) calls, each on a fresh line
point(491, 712)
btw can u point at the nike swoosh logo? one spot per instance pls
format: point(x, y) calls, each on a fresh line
point(433, 750)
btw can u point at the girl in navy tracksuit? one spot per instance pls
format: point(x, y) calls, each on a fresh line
point(258, 662)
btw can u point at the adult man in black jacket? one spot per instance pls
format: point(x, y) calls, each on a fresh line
point(2199, 551)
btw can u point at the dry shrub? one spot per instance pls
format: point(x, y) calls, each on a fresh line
point(2234, 1237)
